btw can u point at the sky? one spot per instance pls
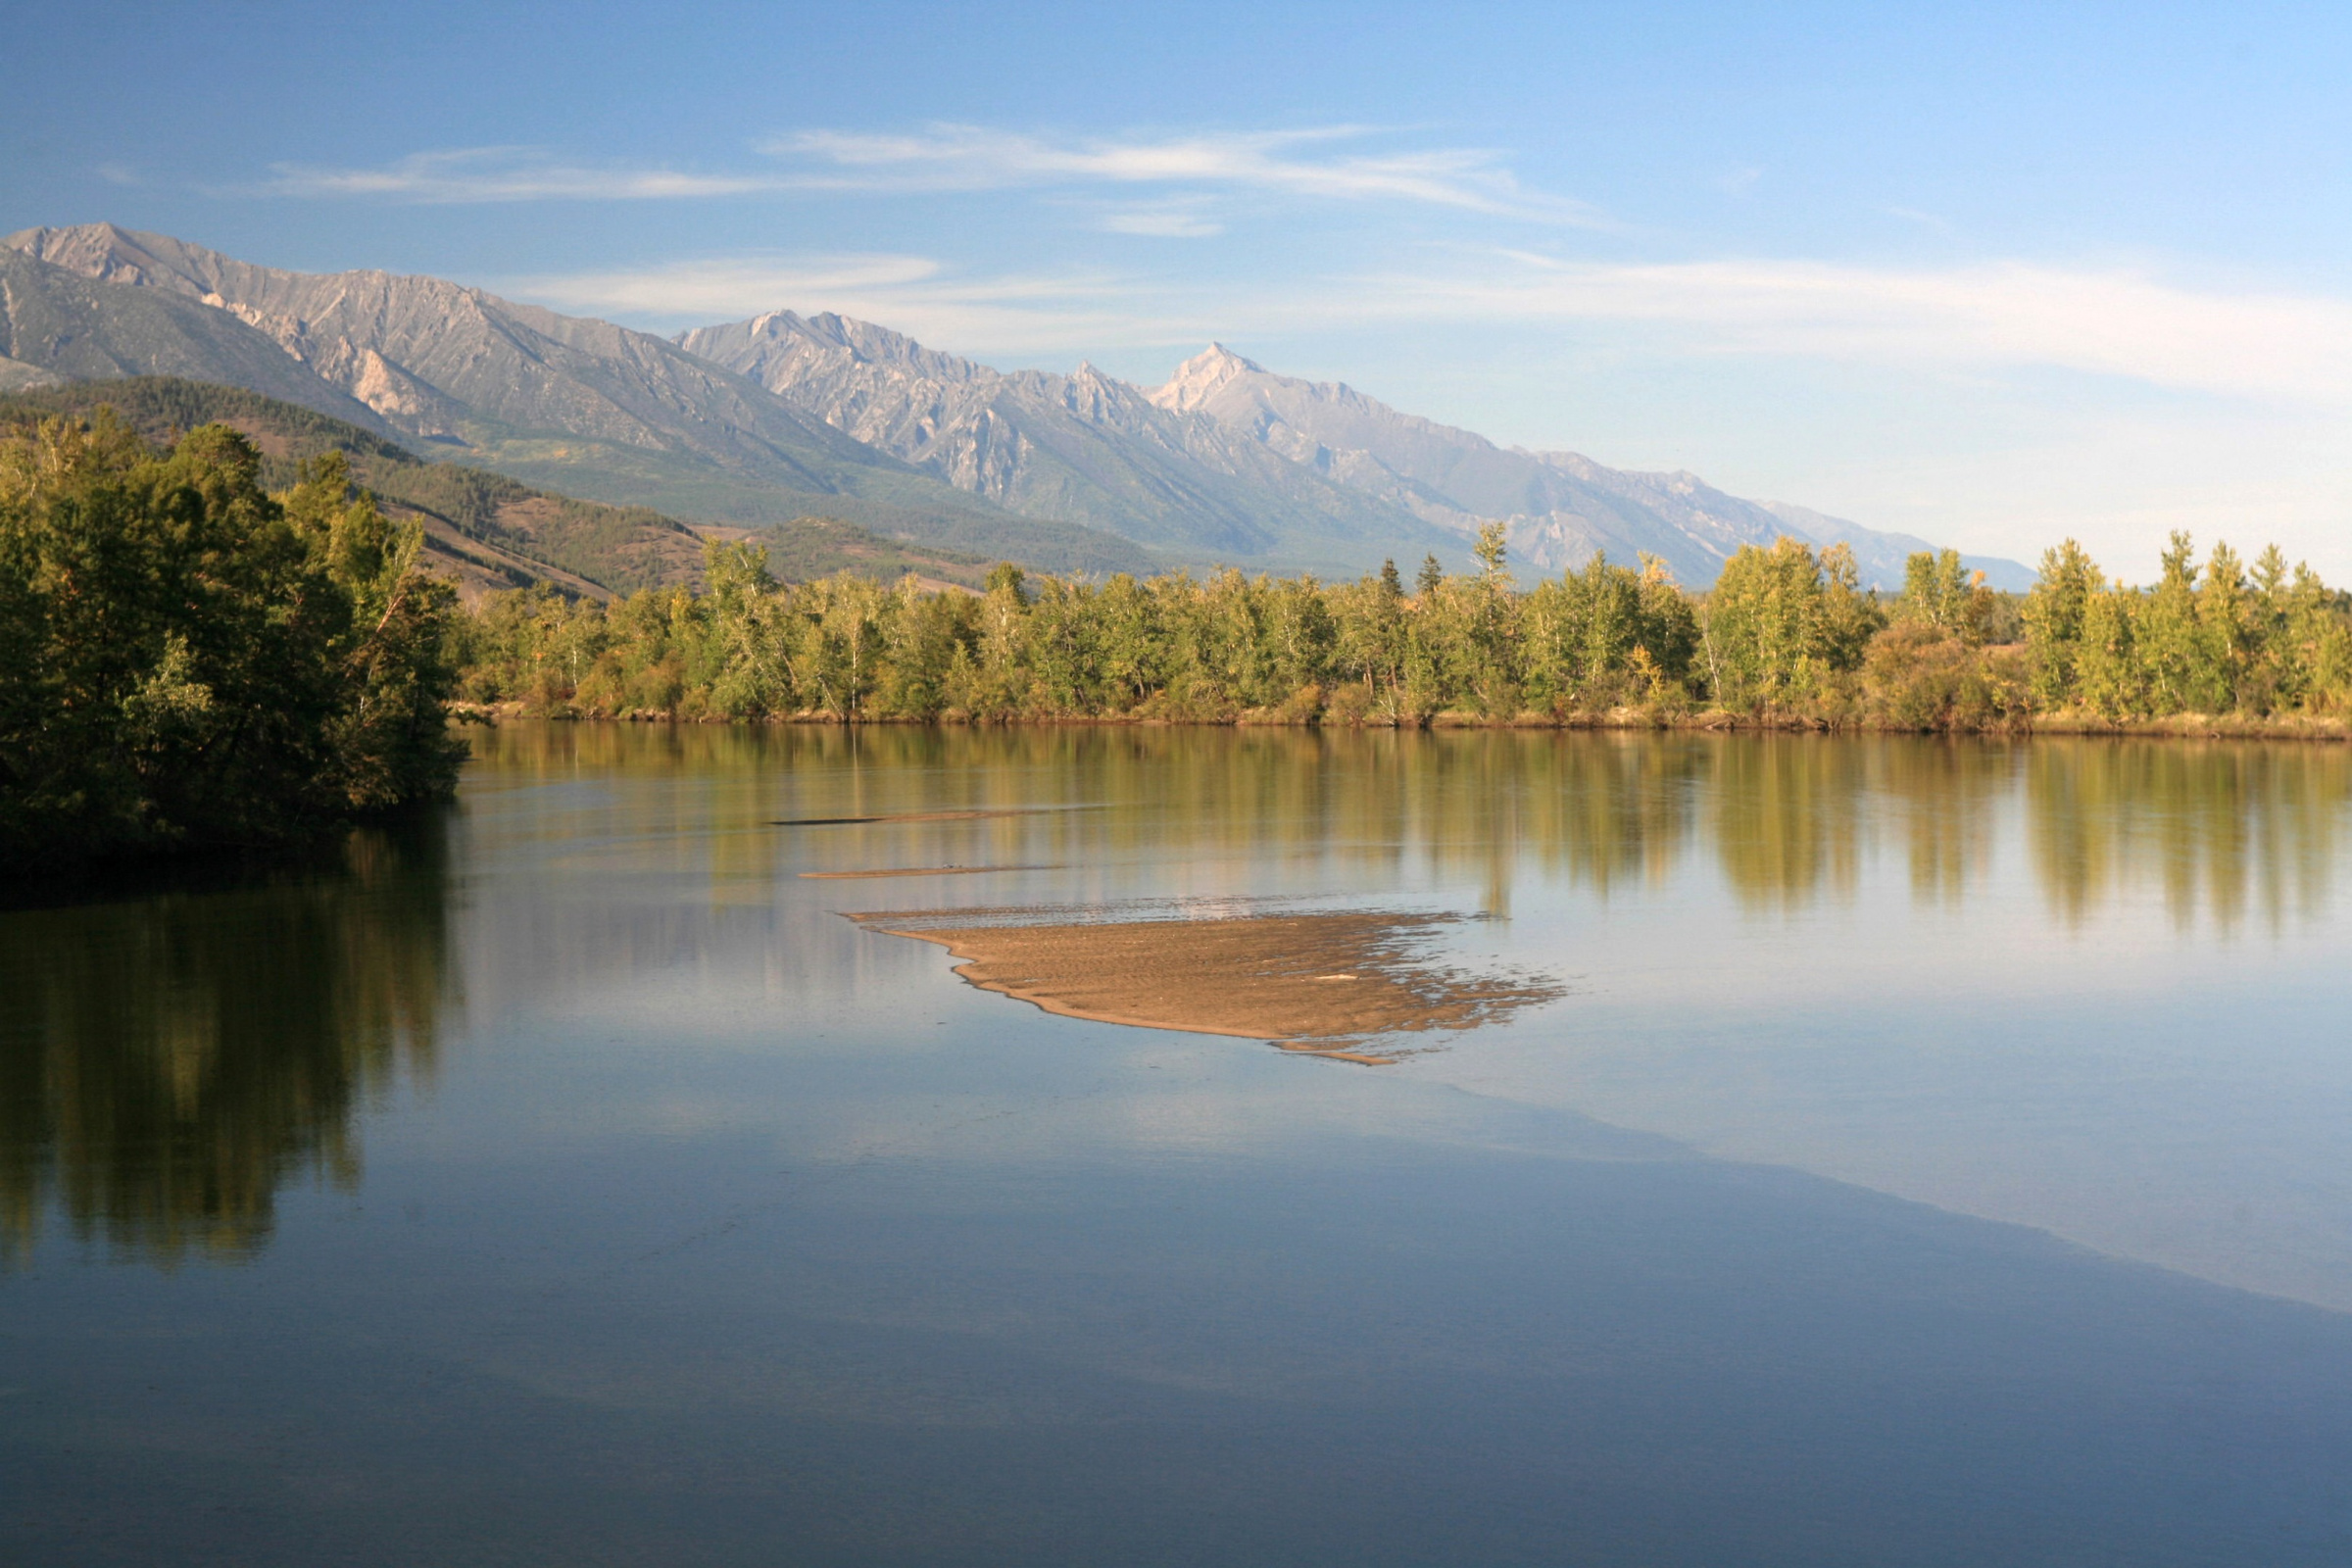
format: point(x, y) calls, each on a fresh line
point(1994, 275)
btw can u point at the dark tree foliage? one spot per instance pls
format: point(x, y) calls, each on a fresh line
point(189, 661)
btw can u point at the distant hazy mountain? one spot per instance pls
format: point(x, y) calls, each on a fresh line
point(781, 418)
point(570, 402)
point(1081, 447)
point(1882, 555)
point(1560, 507)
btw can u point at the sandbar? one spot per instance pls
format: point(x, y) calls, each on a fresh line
point(972, 815)
point(1320, 984)
point(921, 870)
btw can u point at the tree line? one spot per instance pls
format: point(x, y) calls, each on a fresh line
point(1787, 634)
point(187, 661)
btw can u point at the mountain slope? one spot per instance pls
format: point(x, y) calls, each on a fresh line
point(483, 530)
point(57, 325)
point(562, 400)
point(762, 422)
point(1560, 507)
point(1082, 448)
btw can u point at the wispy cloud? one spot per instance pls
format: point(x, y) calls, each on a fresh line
point(1161, 219)
point(949, 157)
point(2118, 323)
point(1328, 162)
point(737, 285)
point(510, 175)
point(1061, 313)
point(1165, 225)
point(1973, 322)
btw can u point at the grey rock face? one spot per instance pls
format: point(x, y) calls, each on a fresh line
point(1560, 507)
point(431, 357)
point(577, 405)
point(57, 325)
point(783, 414)
point(1084, 448)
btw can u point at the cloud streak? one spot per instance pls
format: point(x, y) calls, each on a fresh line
point(959, 158)
point(2115, 323)
point(1178, 220)
point(948, 159)
point(475, 174)
point(1063, 312)
point(2006, 316)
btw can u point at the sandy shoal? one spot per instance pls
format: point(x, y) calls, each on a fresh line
point(1317, 983)
point(919, 870)
point(971, 816)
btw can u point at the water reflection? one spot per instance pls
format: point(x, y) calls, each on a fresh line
point(169, 1062)
point(1948, 795)
point(2225, 830)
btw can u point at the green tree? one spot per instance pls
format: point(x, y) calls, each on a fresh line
point(2053, 617)
point(1941, 593)
point(2174, 644)
point(1781, 622)
point(2108, 676)
point(186, 661)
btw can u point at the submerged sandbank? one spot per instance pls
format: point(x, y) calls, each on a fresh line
point(1315, 983)
point(971, 815)
point(919, 870)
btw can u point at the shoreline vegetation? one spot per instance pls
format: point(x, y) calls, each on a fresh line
point(189, 661)
point(1786, 639)
point(2174, 727)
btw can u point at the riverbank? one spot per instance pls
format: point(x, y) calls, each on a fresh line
point(2174, 727)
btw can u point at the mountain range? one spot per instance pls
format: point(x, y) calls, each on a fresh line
point(783, 417)
point(485, 530)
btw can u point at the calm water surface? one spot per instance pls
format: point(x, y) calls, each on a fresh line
point(1943, 1155)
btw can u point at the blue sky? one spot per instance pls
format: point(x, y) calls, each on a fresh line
point(1992, 277)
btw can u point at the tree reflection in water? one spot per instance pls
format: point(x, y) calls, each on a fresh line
point(2222, 828)
point(169, 1060)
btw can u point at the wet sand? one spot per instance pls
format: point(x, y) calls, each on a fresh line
point(928, 816)
point(1317, 984)
point(921, 870)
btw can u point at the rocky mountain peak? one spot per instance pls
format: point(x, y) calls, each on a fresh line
point(100, 251)
point(1200, 377)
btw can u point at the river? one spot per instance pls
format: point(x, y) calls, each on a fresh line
point(1922, 1152)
